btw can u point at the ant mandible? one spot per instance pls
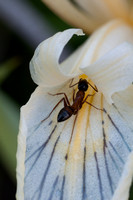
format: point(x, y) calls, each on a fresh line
point(68, 110)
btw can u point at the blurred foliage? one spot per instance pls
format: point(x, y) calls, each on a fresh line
point(9, 118)
point(131, 192)
point(53, 20)
point(7, 67)
point(9, 115)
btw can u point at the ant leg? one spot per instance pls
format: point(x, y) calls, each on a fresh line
point(65, 104)
point(68, 150)
point(88, 95)
point(70, 85)
point(94, 106)
point(66, 98)
point(73, 127)
point(73, 95)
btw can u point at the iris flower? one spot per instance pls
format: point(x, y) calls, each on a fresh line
point(89, 156)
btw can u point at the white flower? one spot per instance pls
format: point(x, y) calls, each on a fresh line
point(88, 156)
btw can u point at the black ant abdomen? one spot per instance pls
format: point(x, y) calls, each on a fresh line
point(64, 114)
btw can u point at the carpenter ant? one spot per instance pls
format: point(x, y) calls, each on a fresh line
point(68, 110)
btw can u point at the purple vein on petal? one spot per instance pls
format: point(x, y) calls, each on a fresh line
point(105, 160)
point(117, 154)
point(53, 188)
point(84, 195)
point(118, 131)
point(62, 188)
point(42, 183)
point(99, 176)
point(113, 160)
point(40, 150)
point(107, 147)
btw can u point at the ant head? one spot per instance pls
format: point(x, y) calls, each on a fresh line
point(83, 85)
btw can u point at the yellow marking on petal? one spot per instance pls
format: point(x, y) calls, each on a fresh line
point(83, 76)
point(76, 152)
point(89, 125)
point(81, 125)
point(105, 126)
point(80, 129)
point(102, 106)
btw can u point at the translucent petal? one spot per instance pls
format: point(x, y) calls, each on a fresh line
point(44, 66)
point(91, 13)
point(123, 104)
point(96, 9)
point(102, 41)
point(113, 72)
point(68, 11)
point(107, 9)
point(73, 161)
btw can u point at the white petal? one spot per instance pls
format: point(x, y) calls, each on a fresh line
point(114, 71)
point(61, 164)
point(123, 103)
point(45, 68)
point(74, 15)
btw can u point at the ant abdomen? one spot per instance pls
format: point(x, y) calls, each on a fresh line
point(65, 113)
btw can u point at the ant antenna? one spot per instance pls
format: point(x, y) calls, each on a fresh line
point(74, 83)
point(94, 88)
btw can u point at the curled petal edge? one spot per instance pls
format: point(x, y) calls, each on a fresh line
point(44, 66)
